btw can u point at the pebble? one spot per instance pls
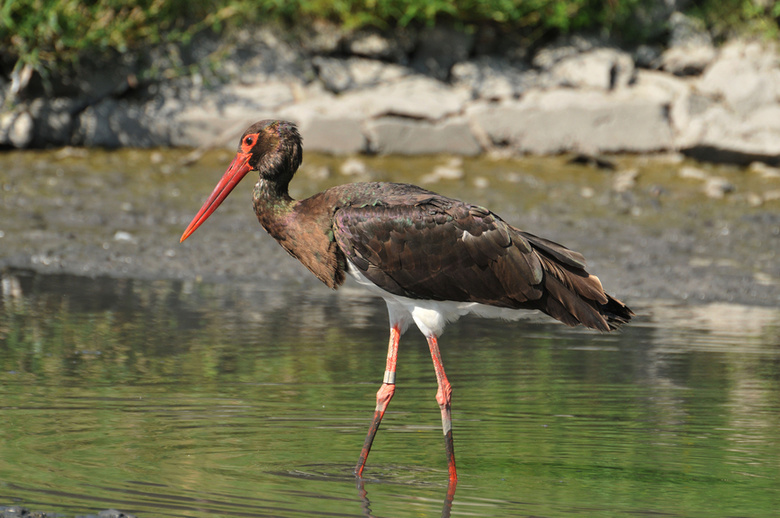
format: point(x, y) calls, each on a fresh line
point(764, 170)
point(453, 170)
point(353, 167)
point(122, 235)
point(717, 188)
point(693, 173)
point(625, 180)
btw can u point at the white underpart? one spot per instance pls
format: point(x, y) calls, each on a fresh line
point(430, 316)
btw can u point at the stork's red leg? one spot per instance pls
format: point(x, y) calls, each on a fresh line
point(444, 398)
point(383, 397)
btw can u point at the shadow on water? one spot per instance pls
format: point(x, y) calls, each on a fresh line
point(175, 398)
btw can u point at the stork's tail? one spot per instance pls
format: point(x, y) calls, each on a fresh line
point(572, 295)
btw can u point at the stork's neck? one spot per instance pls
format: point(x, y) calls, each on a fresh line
point(273, 206)
point(304, 229)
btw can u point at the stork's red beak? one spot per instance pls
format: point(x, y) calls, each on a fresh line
point(239, 167)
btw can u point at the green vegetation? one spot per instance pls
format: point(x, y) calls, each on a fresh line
point(42, 33)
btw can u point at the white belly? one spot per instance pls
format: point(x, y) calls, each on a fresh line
point(430, 316)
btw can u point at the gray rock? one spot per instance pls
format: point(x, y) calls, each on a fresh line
point(333, 72)
point(680, 96)
point(112, 124)
point(370, 72)
point(565, 47)
point(338, 75)
point(563, 120)
point(440, 47)
point(395, 135)
point(687, 60)
point(371, 43)
point(54, 120)
point(266, 54)
point(685, 31)
point(717, 188)
point(647, 56)
point(353, 167)
point(333, 135)
point(721, 135)
point(217, 117)
point(16, 128)
point(746, 75)
point(414, 97)
point(603, 68)
point(320, 37)
point(493, 78)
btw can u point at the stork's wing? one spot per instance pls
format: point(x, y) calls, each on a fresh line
point(440, 249)
point(444, 249)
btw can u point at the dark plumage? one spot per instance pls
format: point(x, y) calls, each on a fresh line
point(431, 257)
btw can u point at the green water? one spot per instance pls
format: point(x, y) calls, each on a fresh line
point(171, 399)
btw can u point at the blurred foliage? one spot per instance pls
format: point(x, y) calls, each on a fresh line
point(42, 33)
point(723, 17)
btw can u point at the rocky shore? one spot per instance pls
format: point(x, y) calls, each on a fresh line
point(425, 91)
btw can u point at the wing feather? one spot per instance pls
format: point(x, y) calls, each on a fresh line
point(440, 250)
point(420, 245)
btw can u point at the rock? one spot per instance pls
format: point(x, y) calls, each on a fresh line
point(563, 120)
point(493, 78)
point(746, 75)
point(603, 68)
point(333, 135)
point(646, 56)
point(693, 173)
point(717, 188)
point(333, 73)
point(113, 124)
point(481, 182)
point(414, 97)
point(123, 235)
point(371, 43)
point(565, 47)
point(720, 135)
point(687, 60)
point(113, 513)
point(396, 135)
point(320, 36)
point(16, 128)
point(339, 75)
point(438, 48)
point(54, 120)
point(353, 167)
point(764, 170)
point(685, 31)
point(369, 72)
point(266, 54)
point(217, 117)
point(452, 170)
point(625, 180)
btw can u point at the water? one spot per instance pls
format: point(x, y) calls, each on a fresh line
point(174, 399)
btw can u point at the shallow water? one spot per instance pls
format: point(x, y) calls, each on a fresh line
point(170, 398)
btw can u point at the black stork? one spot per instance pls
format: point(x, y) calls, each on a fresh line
point(431, 258)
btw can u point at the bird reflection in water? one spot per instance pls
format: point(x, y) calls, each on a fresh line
point(445, 511)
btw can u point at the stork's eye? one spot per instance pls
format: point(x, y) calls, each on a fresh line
point(249, 141)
